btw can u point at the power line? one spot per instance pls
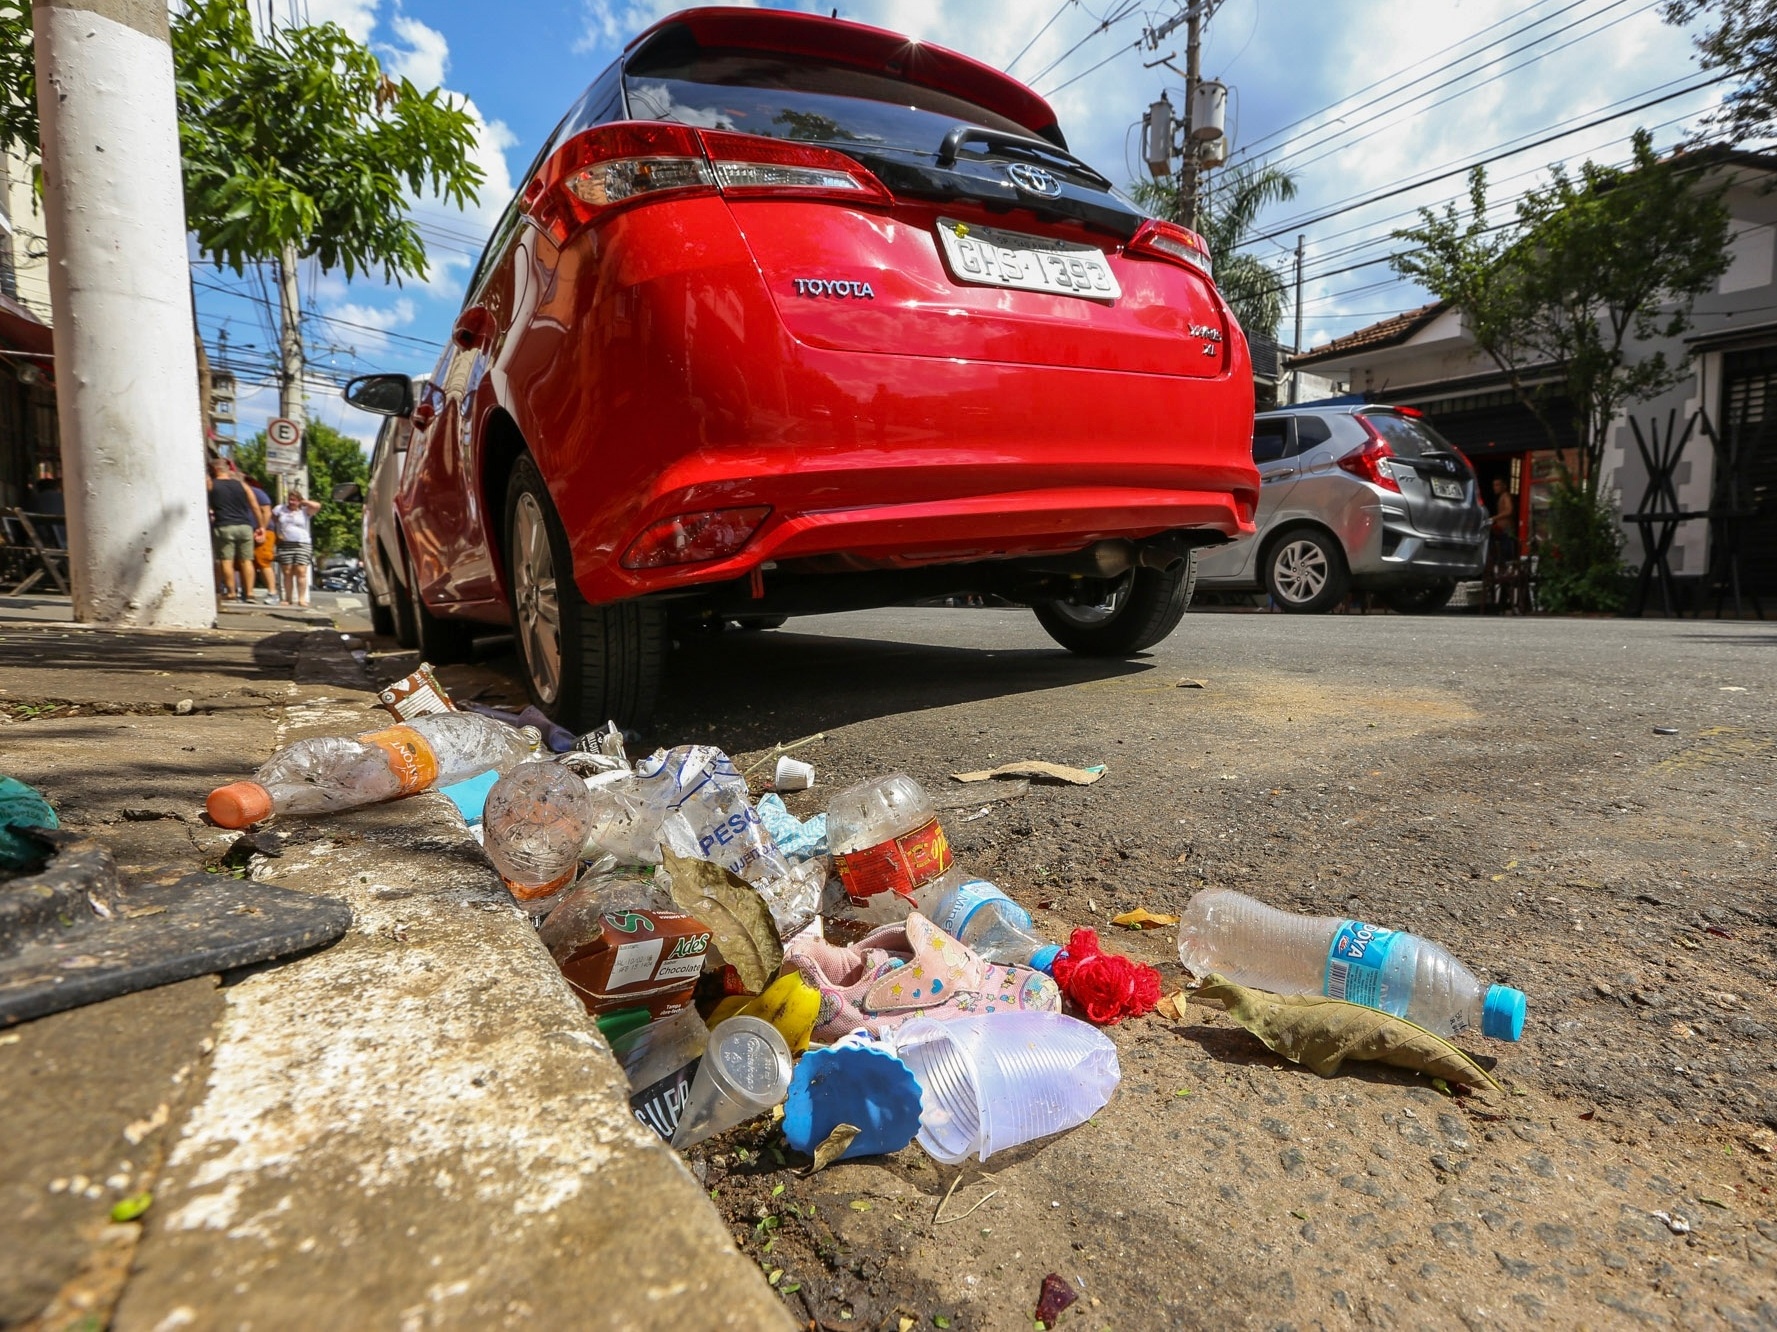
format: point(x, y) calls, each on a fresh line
point(1104, 25)
point(1060, 10)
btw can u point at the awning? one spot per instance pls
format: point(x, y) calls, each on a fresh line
point(20, 330)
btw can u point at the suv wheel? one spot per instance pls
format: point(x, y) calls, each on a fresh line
point(407, 633)
point(583, 664)
point(1306, 572)
point(1143, 607)
point(382, 619)
point(1422, 599)
point(439, 640)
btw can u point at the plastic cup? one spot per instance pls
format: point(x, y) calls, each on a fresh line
point(792, 774)
point(994, 1081)
point(744, 1072)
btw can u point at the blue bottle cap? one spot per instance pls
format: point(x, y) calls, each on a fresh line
point(1044, 958)
point(1502, 1014)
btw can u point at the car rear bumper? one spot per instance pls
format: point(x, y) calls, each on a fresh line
point(1395, 555)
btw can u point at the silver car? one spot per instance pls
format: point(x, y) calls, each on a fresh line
point(1354, 498)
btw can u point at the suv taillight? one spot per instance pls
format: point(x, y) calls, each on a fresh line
point(612, 166)
point(1160, 239)
point(1366, 463)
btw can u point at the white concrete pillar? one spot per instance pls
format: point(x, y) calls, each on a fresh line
point(126, 371)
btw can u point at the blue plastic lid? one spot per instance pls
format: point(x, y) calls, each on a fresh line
point(1044, 958)
point(1502, 1014)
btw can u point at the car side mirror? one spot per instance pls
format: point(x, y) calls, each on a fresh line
point(348, 492)
point(386, 395)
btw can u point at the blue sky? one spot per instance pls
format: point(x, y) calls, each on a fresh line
point(1354, 97)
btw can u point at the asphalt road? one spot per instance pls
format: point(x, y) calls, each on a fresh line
point(1496, 784)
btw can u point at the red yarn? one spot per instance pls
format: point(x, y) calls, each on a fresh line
point(1107, 987)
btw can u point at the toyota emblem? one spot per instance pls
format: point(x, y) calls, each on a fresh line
point(1033, 180)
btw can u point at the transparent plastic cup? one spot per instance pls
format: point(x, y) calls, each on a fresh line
point(745, 1072)
point(994, 1081)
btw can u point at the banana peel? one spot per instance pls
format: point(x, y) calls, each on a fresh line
point(789, 1003)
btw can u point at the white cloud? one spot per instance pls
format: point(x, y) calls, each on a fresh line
point(357, 17)
point(424, 60)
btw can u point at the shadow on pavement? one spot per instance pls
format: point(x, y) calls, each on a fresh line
point(761, 688)
point(57, 647)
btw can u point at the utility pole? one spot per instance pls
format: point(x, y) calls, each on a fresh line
point(289, 336)
point(1187, 172)
point(126, 370)
point(1296, 343)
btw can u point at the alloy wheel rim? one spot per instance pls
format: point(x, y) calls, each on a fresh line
point(538, 601)
point(1302, 570)
point(1100, 613)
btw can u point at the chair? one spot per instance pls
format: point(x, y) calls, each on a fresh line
point(34, 558)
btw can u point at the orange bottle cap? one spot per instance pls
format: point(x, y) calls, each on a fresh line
point(239, 804)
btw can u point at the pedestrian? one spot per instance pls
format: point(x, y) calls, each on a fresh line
point(1501, 575)
point(295, 545)
point(236, 521)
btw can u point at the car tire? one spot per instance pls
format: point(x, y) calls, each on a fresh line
point(1423, 598)
point(439, 640)
point(583, 664)
point(406, 633)
point(382, 619)
point(1143, 609)
point(1306, 573)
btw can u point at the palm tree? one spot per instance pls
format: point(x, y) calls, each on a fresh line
point(1225, 218)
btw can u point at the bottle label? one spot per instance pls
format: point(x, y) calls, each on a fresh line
point(973, 895)
point(410, 758)
point(900, 865)
point(1355, 961)
point(659, 1104)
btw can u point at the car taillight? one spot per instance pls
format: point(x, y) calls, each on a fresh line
point(1366, 463)
point(695, 538)
point(1168, 240)
point(611, 166)
point(748, 166)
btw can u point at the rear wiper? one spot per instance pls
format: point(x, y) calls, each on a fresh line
point(1018, 144)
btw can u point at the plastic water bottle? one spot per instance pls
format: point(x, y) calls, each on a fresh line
point(336, 772)
point(991, 924)
point(534, 828)
point(1267, 949)
point(889, 850)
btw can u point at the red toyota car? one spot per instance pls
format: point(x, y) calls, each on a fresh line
point(794, 315)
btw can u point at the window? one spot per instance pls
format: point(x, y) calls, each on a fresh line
point(1271, 440)
point(1311, 430)
point(1408, 436)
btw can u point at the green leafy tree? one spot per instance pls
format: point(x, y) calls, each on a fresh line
point(297, 138)
point(1565, 300)
point(18, 80)
point(1742, 44)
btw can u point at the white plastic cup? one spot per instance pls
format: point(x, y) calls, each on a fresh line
point(744, 1072)
point(792, 774)
point(991, 1082)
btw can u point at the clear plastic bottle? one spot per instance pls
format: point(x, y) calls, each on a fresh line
point(889, 850)
point(534, 828)
point(1259, 946)
point(336, 772)
point(993, 925)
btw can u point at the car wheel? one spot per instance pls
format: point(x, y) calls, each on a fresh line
point(382, 619)
point(1141, 609)
point(439, 640)
point(1422, 599)
point(583, 664)
point(1306, 572)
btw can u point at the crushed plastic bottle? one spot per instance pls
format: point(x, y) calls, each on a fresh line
point(534, 828)
point(889, 850)
point(991, 924)
point(1259, 946)
point(336, 772)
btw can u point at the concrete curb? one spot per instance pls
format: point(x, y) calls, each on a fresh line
point(420, 1127)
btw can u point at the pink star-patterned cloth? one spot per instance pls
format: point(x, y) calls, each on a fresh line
point(912, 968)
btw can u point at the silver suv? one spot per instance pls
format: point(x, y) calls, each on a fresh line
point(1361, 498)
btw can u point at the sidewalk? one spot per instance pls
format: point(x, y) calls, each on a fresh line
point(418, 1127)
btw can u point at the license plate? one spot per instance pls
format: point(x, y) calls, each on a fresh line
point(1444, 488)
point(989, 257)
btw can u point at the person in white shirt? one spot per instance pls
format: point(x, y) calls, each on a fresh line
point(295, 547)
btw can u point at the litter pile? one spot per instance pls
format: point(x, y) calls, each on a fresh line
point(844, 970)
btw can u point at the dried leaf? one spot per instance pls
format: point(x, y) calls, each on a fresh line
point(833, 1146)
point(1036, 771)
point(1322, 1033)
point(1172, 1006)
point(736, 915)
point(1143, 919)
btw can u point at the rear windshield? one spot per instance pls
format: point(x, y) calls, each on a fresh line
point(789, 97)
point(1408, 436)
